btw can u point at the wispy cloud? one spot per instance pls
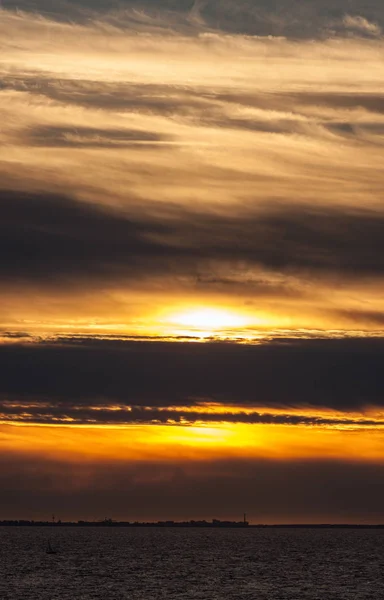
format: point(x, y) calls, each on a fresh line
point(200, 164)
point(361, 24)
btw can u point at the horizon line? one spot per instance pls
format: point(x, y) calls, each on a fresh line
point(214, 523)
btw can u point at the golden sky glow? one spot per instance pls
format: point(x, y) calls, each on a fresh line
point(214, 123)
point(201, 443)
point(192, 233)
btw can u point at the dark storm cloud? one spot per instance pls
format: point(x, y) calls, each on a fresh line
point(337, 490)
point(53, 239)
point(340, 374)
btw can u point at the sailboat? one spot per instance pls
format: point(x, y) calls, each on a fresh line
point(49, 549)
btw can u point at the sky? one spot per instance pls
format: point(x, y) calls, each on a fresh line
point(192, 271)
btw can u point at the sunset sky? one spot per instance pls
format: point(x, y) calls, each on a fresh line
point(192, 260)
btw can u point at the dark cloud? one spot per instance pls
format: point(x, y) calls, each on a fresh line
point(49, 238)
point(192, 105)
point(187, 100)
point(65, 412)
point(370, 317)
point(315, 18)
point(327, 491)
point(90, 137)
point(113, 96)
point(14, 335)
point(343, 374)
point(196, 105)
point(54, 239)
point(355, 130)
point(372, 102)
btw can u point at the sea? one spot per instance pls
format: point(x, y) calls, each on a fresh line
point(191, 564)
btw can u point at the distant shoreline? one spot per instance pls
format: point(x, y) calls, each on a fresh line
point(185, 524)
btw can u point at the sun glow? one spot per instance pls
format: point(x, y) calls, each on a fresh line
point(209, 319)
point(166, 443)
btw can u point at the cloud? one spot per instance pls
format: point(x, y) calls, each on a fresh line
point(341, 374)
point(66, 413)
point(270, 491)
point(90, 137)
point(61, 238)
point(260, 186)
point(371, 317)
point(56, 239)
point(157, 167)
point(204, 104)
point(214, 102)
point(358, 23)
point(291, 18)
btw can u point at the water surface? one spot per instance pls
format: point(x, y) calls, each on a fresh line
point(183, 564)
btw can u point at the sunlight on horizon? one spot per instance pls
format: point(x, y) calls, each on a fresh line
point(209, 319)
